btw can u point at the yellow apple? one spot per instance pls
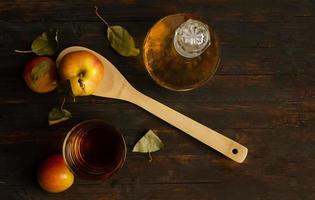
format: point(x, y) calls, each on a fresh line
point(84, 71)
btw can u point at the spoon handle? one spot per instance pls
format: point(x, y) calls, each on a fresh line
point(217, 141)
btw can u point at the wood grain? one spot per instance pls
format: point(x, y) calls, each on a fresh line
point(141, 10)
point(262, 96)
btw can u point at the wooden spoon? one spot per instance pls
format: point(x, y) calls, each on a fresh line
point(114, 85)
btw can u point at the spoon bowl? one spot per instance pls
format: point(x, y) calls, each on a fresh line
point(113, 81)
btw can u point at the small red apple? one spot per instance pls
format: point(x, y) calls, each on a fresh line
point(53, 174)
point(40, 75)
point(84, 71)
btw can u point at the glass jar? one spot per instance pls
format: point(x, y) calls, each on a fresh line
point(181, 52)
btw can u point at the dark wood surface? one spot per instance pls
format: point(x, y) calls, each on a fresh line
point(263, 96)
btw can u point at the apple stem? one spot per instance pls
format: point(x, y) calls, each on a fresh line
point(81, 82)
point(99, 16)
point(19, 51)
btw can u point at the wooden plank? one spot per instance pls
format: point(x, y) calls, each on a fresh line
point(142, 10)
point(124, 115)
point(308, 113)
point(271, 166)
point(280, 49)
point(308, 105)
point(222, 88)
point(232, 34)
point(249, 188)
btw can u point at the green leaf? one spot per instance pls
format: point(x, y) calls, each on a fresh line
point(45, 44)
point(122, 41)
point(57, 115)
point(148, 143)
point(40, 70)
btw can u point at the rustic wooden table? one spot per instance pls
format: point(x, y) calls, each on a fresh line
point(263, 96)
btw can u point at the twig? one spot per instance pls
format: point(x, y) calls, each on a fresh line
point(19, 51)
point(99, 16)
point(63, 103)
point(56, 36)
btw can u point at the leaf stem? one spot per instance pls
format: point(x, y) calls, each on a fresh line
point(56, 36)
point(63, 103)
point(19, 51)
point(99, 16)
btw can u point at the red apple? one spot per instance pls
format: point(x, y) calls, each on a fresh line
point(40, 75)
point(53, 174)
point(84, 71)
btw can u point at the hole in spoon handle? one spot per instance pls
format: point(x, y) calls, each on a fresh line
point(236, 152)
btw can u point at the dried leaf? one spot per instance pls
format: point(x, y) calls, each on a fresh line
point(122, 41)
point(45, 44)
point(148, 143)
point(57, 115)
point(40, 70)
point(119, 38)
